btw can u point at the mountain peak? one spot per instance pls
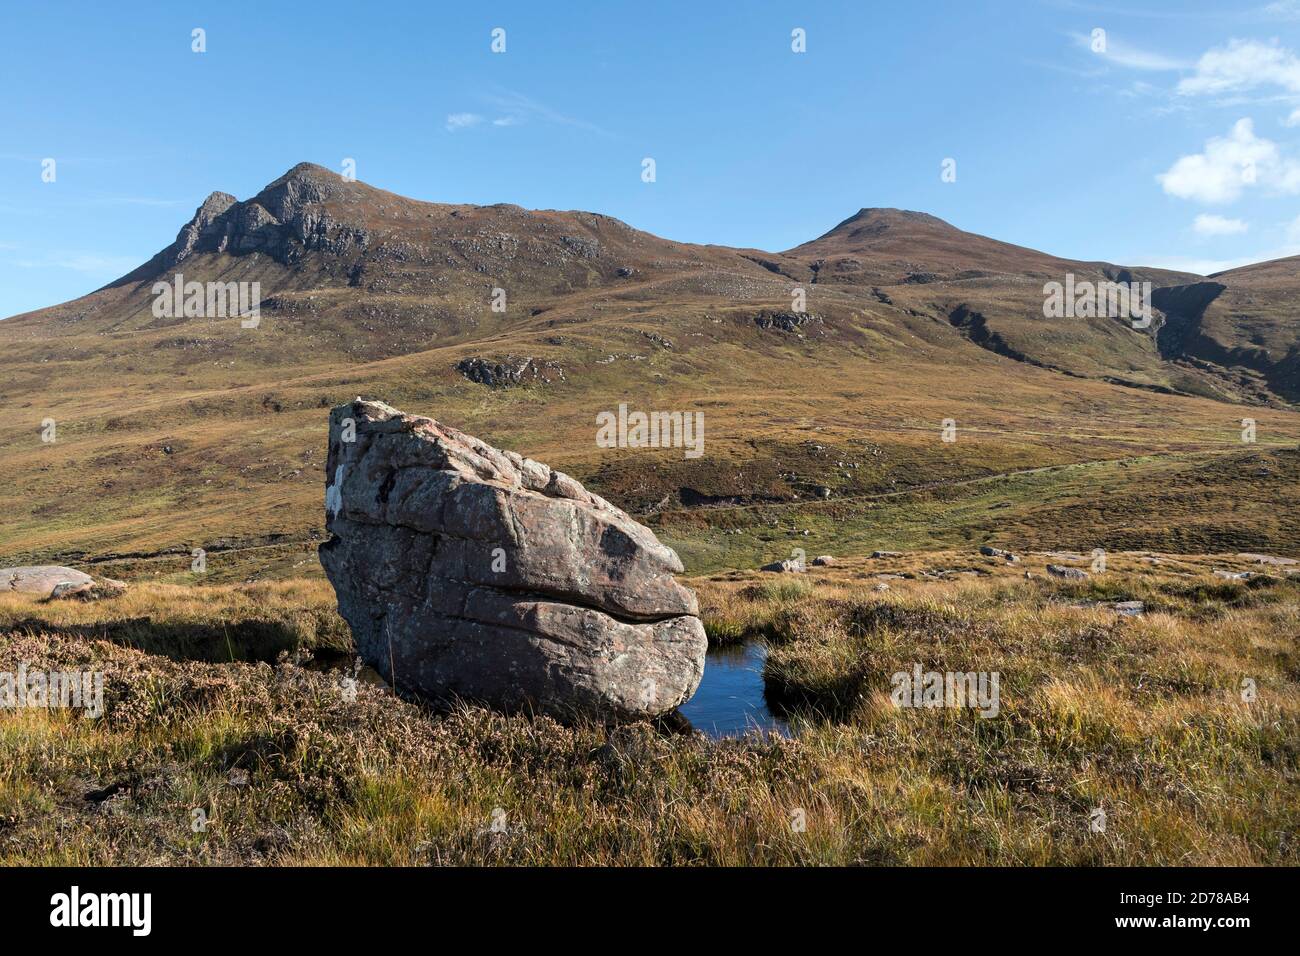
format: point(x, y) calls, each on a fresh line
point(876, 219)
point(212, 207)
point(286, 217)
point(309, 172)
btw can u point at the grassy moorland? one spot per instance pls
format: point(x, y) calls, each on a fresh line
point(1141, 717)
point(129, 440)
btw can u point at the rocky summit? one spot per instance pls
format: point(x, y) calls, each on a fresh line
point(468, 572)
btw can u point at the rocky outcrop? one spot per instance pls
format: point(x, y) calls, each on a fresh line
point(294, 214)
point(509, 371)
point(469, 572)
point(787, 321)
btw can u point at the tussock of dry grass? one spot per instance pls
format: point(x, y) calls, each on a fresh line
point(228, 623)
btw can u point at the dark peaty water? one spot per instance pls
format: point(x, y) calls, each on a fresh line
point(730, 699)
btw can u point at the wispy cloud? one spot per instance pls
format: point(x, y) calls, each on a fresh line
point(1242, 66)
point(517, 108)
point(137, 201)
point(459, 121)
point(1277, 10)
point(1208, 224)
point(87, 263)
point(1131, 57)
point(1282, 10)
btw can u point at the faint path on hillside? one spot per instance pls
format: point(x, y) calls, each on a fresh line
point(958, 482)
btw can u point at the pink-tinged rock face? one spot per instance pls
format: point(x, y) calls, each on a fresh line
point(467, 571)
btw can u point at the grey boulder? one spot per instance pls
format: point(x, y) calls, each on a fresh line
point(41, 579)
point(992, 552)
point(56, 582)
point(1066, 573)
point(468, 572)
point(784, 567)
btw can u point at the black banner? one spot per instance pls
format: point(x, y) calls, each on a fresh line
point(339, 905)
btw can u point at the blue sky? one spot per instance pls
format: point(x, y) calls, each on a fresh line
point(1178, 144)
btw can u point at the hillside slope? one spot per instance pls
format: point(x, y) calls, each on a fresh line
point(178, 432)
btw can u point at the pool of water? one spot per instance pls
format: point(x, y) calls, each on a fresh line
point(730, 699)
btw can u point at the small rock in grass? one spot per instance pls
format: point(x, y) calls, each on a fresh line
point(783, 567)
point(1007, 556)
point(823, 561)
point(1068, 574)
point(1234, 575)
point(89, 589)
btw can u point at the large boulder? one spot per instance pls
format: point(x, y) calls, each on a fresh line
point(41, 579)
point(469, 572)
point(53, 581)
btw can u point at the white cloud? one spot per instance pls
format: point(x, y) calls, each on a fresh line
point(1243, 65)
point(1210, 225)
point(1229, 165)
point(1293, 119)
point(457, 121)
